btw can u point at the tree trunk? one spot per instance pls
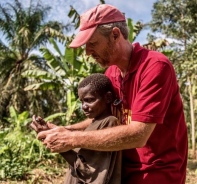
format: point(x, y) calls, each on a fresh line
point(192, 119)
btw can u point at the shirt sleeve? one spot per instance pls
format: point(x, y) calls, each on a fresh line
point(157, 83)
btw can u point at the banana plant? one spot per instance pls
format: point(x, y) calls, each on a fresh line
point(23, 30)
point(65, 70)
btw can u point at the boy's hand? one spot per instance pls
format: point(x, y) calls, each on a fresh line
point(38, 124)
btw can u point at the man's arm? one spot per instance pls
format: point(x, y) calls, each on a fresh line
point(111, 139)
point(117, 138)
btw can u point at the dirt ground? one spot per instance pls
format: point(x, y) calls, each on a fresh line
point(41, 177)
point(191, 172)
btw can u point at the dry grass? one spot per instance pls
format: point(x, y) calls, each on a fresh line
point(40, 176)
point(191, 172)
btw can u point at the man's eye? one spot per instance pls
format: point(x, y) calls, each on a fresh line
point(93, 44)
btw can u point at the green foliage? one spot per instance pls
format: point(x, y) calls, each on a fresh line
point(24, 30)
point(75, 17)
point(20, 151)
point(176, 19)
point(102, 2)
point(134, 29)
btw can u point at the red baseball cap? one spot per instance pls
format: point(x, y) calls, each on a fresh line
point(101, 14)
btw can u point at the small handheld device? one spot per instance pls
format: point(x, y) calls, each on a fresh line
point(40, 121)
point(37, 119)
point(42, 124)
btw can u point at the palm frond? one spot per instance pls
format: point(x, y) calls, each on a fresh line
point(6, 23)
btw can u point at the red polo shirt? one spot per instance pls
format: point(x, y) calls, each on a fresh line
point(150, 94)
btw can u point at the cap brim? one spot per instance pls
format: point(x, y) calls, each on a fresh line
point(82, 37)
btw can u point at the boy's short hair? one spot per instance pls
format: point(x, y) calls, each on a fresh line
point(99, 83)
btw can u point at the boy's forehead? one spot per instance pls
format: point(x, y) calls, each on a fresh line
point(89, 89)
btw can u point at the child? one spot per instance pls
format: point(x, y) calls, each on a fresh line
point(88, 166)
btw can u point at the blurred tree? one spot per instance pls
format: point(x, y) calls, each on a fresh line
point(24, 30)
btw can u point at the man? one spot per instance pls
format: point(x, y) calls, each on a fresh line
point(153, 134)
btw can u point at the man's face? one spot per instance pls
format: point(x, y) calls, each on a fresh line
point(101, 49)
point(93, 104)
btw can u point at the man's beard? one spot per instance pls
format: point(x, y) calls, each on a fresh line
point(107, 52)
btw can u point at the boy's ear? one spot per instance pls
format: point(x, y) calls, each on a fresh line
point(109, 97)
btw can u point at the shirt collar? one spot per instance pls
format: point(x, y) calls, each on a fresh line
point(135, 60)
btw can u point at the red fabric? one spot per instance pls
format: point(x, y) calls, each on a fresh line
point(150, 94)
point(89, 20)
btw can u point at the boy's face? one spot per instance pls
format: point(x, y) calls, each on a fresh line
point(93, 105)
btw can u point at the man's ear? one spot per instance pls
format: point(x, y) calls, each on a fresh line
point(115, 33)
point(109, 97)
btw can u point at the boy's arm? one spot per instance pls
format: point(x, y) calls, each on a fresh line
point(38, 124)
point(79, 126)
point(70, 156)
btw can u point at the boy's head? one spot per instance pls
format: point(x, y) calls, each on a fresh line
point(96, 94)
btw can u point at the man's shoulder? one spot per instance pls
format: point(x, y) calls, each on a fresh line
point(153, 54)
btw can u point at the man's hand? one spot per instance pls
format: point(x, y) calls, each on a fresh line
point(58, 139)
